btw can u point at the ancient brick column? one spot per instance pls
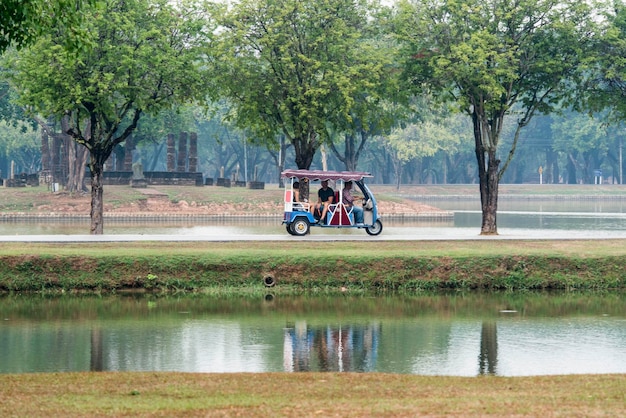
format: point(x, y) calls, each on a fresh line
point(171, 153)
point(45, 151)
point(45, 176)
point(55, 158)
point(128, 154)
point(182, 153)
point(193, 152)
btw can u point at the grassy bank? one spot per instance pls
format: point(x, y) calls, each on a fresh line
point(308, 394)
point(304, 266)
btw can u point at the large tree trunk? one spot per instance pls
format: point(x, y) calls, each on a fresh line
point(97, 202)
point(77, 157)
point(571, 169)
point(551, 173)
point(488, 180)
point(77, 162)
point(81, 162)
point(305, 147)
point(281, 160)
point(489, 197)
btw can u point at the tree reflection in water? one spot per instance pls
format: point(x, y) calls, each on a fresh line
point(488, 357)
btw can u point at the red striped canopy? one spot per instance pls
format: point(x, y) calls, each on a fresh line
point(326, 175)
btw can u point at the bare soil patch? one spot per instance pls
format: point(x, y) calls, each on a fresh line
point(178, 200)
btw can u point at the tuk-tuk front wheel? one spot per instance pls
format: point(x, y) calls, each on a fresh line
point(300, 226)
point(375, 229)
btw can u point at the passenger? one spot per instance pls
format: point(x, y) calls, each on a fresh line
point(325, 197)
point(299, 204)
point(296, 191)
point(348, 200)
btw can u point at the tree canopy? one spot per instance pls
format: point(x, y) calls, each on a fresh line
point(147, 56)
point(291, 67)
point(495, 59)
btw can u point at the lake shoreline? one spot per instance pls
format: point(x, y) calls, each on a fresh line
point(290, 266)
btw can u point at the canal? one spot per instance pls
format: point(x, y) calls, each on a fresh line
point(471, 334)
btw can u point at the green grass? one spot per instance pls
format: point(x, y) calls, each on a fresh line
point(410, 266)
point(307, 395)
point(305, 250)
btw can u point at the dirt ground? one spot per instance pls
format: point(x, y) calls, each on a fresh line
point(190, 201)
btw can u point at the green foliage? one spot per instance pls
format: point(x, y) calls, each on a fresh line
point(492, 58)
point(496, 53)
point(24, 21)
point(605, 70)
point(20, 142)
point(425, 137)
point(145, 59)
point(148, 55)
point(294, 68)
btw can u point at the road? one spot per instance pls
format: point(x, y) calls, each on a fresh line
point(389, 234)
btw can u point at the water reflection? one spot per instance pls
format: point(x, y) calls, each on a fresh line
point(460, 334)
point(351, 348)
point(548, 221)
point(488, 358)
point(593, 214)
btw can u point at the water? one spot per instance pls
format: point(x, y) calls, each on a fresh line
point(603, 215)
point(460, 334)
point(517, 215)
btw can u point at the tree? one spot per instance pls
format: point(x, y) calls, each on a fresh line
point(605, 86)
point(422, 138)
point(19, 142)
point(380, 103)
point(585, 141)
point(294, 68)
point(490, 57)
point(145, 58)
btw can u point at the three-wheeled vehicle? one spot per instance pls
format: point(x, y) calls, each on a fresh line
point(299, 216)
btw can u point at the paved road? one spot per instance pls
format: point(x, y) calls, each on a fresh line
point(389, 234)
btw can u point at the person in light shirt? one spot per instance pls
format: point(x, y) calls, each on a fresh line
point(348, 199)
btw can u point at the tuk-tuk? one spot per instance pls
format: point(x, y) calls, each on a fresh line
point(300, 216)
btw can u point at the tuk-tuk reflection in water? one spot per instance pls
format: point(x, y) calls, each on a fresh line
point(349, 348)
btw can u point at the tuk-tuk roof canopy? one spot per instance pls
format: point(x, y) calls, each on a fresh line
point(326, 175)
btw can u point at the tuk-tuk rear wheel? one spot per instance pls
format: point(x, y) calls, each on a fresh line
point(300, 227)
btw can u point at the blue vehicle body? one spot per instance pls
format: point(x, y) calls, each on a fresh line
point(299, 217)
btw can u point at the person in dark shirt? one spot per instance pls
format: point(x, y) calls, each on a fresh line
point(325, 197)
